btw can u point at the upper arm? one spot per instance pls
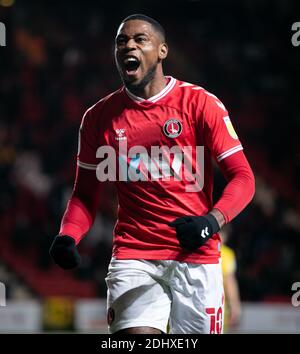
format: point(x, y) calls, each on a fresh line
point(86, 186)
point(219, 134)
point(87, 142)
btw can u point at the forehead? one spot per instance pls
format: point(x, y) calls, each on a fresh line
point(133, 27)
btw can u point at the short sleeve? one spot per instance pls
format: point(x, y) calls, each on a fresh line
point(87, 142)
point(219, 134)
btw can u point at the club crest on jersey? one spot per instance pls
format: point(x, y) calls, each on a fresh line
point(172, 128)
point(121, 134)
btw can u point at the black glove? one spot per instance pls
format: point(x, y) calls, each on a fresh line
point(64, 252)
point(194, 231)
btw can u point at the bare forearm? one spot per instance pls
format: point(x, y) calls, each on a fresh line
point(219, 217)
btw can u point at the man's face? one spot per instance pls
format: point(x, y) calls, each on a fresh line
point(138, 50)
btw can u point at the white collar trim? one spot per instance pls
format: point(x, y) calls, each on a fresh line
point(158, 96)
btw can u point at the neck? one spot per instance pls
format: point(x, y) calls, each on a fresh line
point(152, 88)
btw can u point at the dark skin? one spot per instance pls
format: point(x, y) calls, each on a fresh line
point(140, 40)
point(139, 330)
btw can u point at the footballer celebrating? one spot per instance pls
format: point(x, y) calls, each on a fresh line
point(165, 265)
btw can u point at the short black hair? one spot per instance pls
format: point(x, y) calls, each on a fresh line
point(155, 24)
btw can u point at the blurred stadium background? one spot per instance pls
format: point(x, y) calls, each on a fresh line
point(58, 61)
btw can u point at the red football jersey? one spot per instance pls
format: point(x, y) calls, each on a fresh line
point(152, 194)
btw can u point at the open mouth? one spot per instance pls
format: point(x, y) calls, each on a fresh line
point(131, 65)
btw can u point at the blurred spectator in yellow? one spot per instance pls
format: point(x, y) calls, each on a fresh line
point(231, 288)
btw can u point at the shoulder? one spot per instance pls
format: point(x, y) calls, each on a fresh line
point(199, 95)
point(187, 88)
point(110, 101)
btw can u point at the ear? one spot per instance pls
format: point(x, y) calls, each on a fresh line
point(163, 51)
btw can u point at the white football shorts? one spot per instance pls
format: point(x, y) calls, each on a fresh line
point(188, 296)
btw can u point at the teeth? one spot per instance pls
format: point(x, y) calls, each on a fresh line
point(131, 59)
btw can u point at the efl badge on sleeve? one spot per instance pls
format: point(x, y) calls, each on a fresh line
point(230, 128)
